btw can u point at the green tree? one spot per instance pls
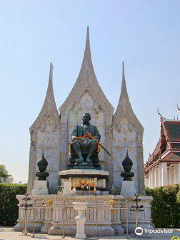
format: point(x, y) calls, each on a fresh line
point(4, 176)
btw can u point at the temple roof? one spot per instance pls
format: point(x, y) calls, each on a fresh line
point(173, 130)
point(172, 157)
point(168, 146)
point(87, 81)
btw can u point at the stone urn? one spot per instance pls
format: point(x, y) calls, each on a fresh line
point(42, 165)
point(80, 207)
point(127, 165)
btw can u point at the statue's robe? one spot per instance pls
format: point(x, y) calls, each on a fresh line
point(82, 130)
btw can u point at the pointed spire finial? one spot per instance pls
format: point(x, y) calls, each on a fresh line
point(124, 93)
point(87, 35)
point(87, 51)
point(123, 74)
point(159, 112)
point(127, 153)
point(51, 72)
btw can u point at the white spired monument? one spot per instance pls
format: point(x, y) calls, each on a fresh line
point(51, 135)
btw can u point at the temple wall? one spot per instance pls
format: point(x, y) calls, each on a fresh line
point(124, 138)
point(47, 139)
point(73, 117)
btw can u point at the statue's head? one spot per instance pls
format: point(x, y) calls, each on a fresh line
point(86, 118)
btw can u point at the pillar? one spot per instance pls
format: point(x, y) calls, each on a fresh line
point(178, 172)
point(155, 178)
point(164, 174)
point(150, 180)
point(160, 176)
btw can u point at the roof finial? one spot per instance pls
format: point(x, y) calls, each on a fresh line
point(127, 153)
point(178, 106)
point(159, 112)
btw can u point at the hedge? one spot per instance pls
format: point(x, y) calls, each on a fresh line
point(165, 206)
point(8, 202)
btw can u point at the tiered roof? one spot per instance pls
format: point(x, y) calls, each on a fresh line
point(168, 146)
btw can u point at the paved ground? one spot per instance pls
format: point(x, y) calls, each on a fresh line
point(9, 234)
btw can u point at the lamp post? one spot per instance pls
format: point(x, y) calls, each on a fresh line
point(25, 206)
point(137, 208)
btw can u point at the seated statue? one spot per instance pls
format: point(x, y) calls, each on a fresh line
point(85, 144)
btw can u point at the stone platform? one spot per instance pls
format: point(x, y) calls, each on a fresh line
point(74, 178)
point(59, 217)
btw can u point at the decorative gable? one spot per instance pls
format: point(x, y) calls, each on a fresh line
point(45, 136)
point(127, 135)
point(86, 96)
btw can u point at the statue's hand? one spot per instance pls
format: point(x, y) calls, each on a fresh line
point(88, 135)
point(73, 138)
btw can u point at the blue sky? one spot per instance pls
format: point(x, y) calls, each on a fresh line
point(144, 34)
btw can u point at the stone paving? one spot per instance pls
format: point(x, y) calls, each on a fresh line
point(9, 234)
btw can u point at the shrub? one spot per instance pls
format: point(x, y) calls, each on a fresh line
point(165, 207)
point(8, 202)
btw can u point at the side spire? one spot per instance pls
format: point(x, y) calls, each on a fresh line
point(49, 105)
point(124, 93)
point(50, 91)
point(124, 103)
point(124, 107)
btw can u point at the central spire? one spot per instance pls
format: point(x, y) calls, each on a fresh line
point(87, 82)
point(87, 73)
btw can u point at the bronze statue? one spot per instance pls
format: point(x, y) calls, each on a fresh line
point(85, 144)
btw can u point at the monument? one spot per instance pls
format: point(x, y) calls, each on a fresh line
point(85, 144)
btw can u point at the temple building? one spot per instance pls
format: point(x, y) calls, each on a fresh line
point(163, 165)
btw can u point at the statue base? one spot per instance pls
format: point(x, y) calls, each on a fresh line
point(60, 217)
point(128, 188)
point(40, 187)
point(83, 166)
point(84, 181)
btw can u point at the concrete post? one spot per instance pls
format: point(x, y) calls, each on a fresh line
point(80, 219)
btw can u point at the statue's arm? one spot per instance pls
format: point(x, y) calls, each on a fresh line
point(97, 134)
point(74, 133)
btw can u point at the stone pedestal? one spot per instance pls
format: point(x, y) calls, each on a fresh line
point(59, 219)
point(128, 188)
point(80, 207)
point(40, 188)
point(75, 177)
